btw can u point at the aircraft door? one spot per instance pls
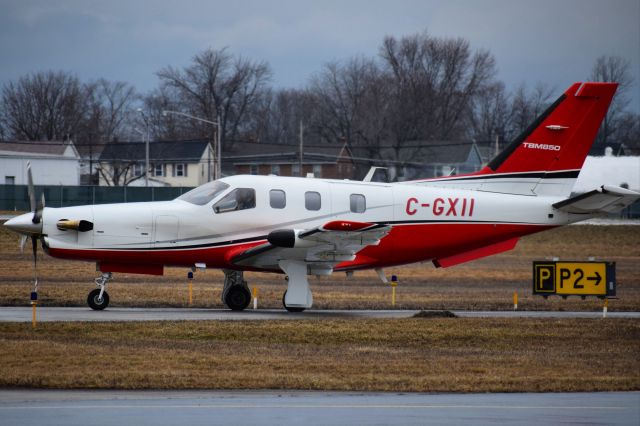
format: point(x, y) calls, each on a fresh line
point(166, 229)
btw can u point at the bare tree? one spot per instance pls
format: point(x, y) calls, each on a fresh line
point(491, 116)
point(277, 115)
point(526, 105)
point(216, 84)
point(340, 93)
point(109, 109)
point(628, 132)
point(436, 82)
point(118, 172)
point(43, 106)
point(613, 69)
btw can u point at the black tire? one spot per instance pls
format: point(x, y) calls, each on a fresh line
point(290, 308)
point(95, 303)
point(237, 298)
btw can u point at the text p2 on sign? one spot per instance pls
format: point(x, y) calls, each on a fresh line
point(574, 278)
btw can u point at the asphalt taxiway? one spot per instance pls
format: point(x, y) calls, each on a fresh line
point(50, 314)
point(56, 407)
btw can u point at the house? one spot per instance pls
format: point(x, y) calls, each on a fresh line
point(89, 155)
point(422, 159)
point(171, 163)
point(331, 161)
point(52, 162)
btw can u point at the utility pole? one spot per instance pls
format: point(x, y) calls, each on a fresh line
point(90, 158)
point(301, 147)
point(219, 149)
point(146, 147)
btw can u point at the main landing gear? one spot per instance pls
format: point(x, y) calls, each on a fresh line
point(98, 299)
point(235, 294)
point(298, 296)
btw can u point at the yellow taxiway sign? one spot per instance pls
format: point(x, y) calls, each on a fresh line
point(574, 278)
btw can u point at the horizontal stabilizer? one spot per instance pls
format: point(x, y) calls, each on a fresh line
point(606, 199)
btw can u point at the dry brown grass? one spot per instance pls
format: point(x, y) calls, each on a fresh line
point(427, 355)
point(485, 284)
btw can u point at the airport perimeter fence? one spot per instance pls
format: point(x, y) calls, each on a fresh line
point(15, 197)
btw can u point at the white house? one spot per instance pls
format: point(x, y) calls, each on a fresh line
point(52, 162)
point(171, 163)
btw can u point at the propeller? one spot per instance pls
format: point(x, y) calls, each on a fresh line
point(36, 220)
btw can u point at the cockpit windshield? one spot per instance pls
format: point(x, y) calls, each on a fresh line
point(205, 193)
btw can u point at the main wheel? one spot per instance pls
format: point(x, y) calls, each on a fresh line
point(290, 308)
point(237, 298)
point(95, 302)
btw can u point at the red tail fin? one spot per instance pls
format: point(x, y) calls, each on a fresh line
point(561, 137)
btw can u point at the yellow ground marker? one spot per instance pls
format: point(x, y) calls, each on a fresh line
point(394, 284)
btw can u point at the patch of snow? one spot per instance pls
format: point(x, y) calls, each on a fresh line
point(608, 170)
point(608, 222)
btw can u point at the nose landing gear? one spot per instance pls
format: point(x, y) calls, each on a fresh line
point(98, 298)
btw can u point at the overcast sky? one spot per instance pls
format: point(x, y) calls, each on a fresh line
point(555, 41)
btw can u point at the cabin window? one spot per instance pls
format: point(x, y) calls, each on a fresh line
point(238, 199)
point(277, 199)
point(204, 193)
point(358, 203)
point(312, 200)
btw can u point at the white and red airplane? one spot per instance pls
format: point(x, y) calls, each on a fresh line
point(308, 226)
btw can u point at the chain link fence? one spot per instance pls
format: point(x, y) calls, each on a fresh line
point(15, 197)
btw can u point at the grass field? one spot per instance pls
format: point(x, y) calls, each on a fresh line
point(485, 284)
point(427, 355)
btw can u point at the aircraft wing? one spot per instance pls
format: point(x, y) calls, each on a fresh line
point(320, 248)
point(606, 199)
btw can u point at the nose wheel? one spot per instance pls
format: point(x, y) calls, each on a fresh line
point(97, 302)
point(98, 298)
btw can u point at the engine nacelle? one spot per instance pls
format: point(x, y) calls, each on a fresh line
point(288, 238)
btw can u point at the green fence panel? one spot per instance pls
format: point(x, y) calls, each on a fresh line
point(16, 197)
point(77, 195)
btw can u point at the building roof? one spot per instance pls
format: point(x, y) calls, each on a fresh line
point(188, 151)
point(244, 152)
point(52, 148)
point(420, 152)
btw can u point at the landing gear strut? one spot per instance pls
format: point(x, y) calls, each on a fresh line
point(298, 296)
point(98, 299)
point(235, 294)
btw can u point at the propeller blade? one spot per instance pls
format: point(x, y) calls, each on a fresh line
point(23, 242)
point(30, 188)
point(34, 246)
point(37, 215)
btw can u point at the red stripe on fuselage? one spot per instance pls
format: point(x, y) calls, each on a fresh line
point(407, 243)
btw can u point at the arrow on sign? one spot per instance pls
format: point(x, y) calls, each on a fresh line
point(597, 278)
